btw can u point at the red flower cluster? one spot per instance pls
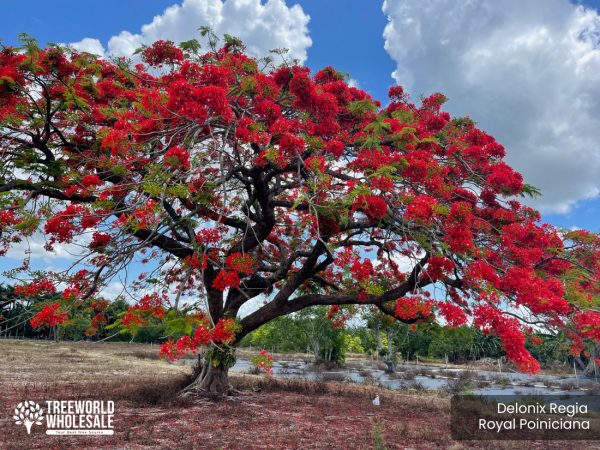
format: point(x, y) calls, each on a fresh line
point(91, 181)
point(223, 333)
point(539, 295)
point(315, 163)
point(98, 320)
point(144, 216)
point(98, 305)
point(421, 209)
point(528, 243)
point(177, 158)
point(49, 316)
point(337, 316)
point(202, 335)
point(62, 225)
point(162, 52)
point(291, 145)
point(197, 102)
point(373, 206)
point(488, 318)
point(535, 340)
point(36, 288)
point(226, 279)
point(100, 240)
point(453, 315)
point(437, 268)
point(196, 261)
point(413, 308)
point(459, 238)
point(361, 271)
point(335, 148)
point(208, 236)
point(7, 218)
point(153, 304)
point(503, 179)
point(481, 271)
point(250, 131)
point(397, 94)
point(263, 361)
point(240, 263)
point(384, 184)
point(371, 160)
point(150, 305)
point(588, 324)
point(133, 319)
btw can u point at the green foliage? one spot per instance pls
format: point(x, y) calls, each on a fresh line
point(152, 333)
point(306, 331)
point(411, 343)
point(530, 191)
point(232, 41)
point(352, 344)
point(283, 334)
point(176, 324)
point(360, 107)
point(485, 346)
point(551, 349)
point(73, 329)
point(455, 343)
point(213, 39)
point(220, 357)
point(191, 46)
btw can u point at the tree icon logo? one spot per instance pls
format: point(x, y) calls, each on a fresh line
point(28, 413)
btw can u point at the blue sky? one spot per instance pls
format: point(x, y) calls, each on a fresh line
point(526, 71)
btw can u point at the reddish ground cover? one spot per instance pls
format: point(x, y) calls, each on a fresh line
point(267, 414)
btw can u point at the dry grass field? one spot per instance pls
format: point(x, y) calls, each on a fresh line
point(267, 413)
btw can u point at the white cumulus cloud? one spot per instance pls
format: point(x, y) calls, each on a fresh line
point(89, 45)
point(527, 72)
point(262, 27)
point(34, 248)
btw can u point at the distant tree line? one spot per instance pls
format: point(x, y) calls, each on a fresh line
point(311, 332)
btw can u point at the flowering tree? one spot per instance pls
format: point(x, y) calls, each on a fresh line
point(263, 361)
point(236, 182)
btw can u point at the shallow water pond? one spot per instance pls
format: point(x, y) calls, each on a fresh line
point(423, 377)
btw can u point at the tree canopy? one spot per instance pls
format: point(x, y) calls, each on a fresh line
point(234, 181)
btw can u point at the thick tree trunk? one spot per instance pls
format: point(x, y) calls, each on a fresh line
point(212, 378)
